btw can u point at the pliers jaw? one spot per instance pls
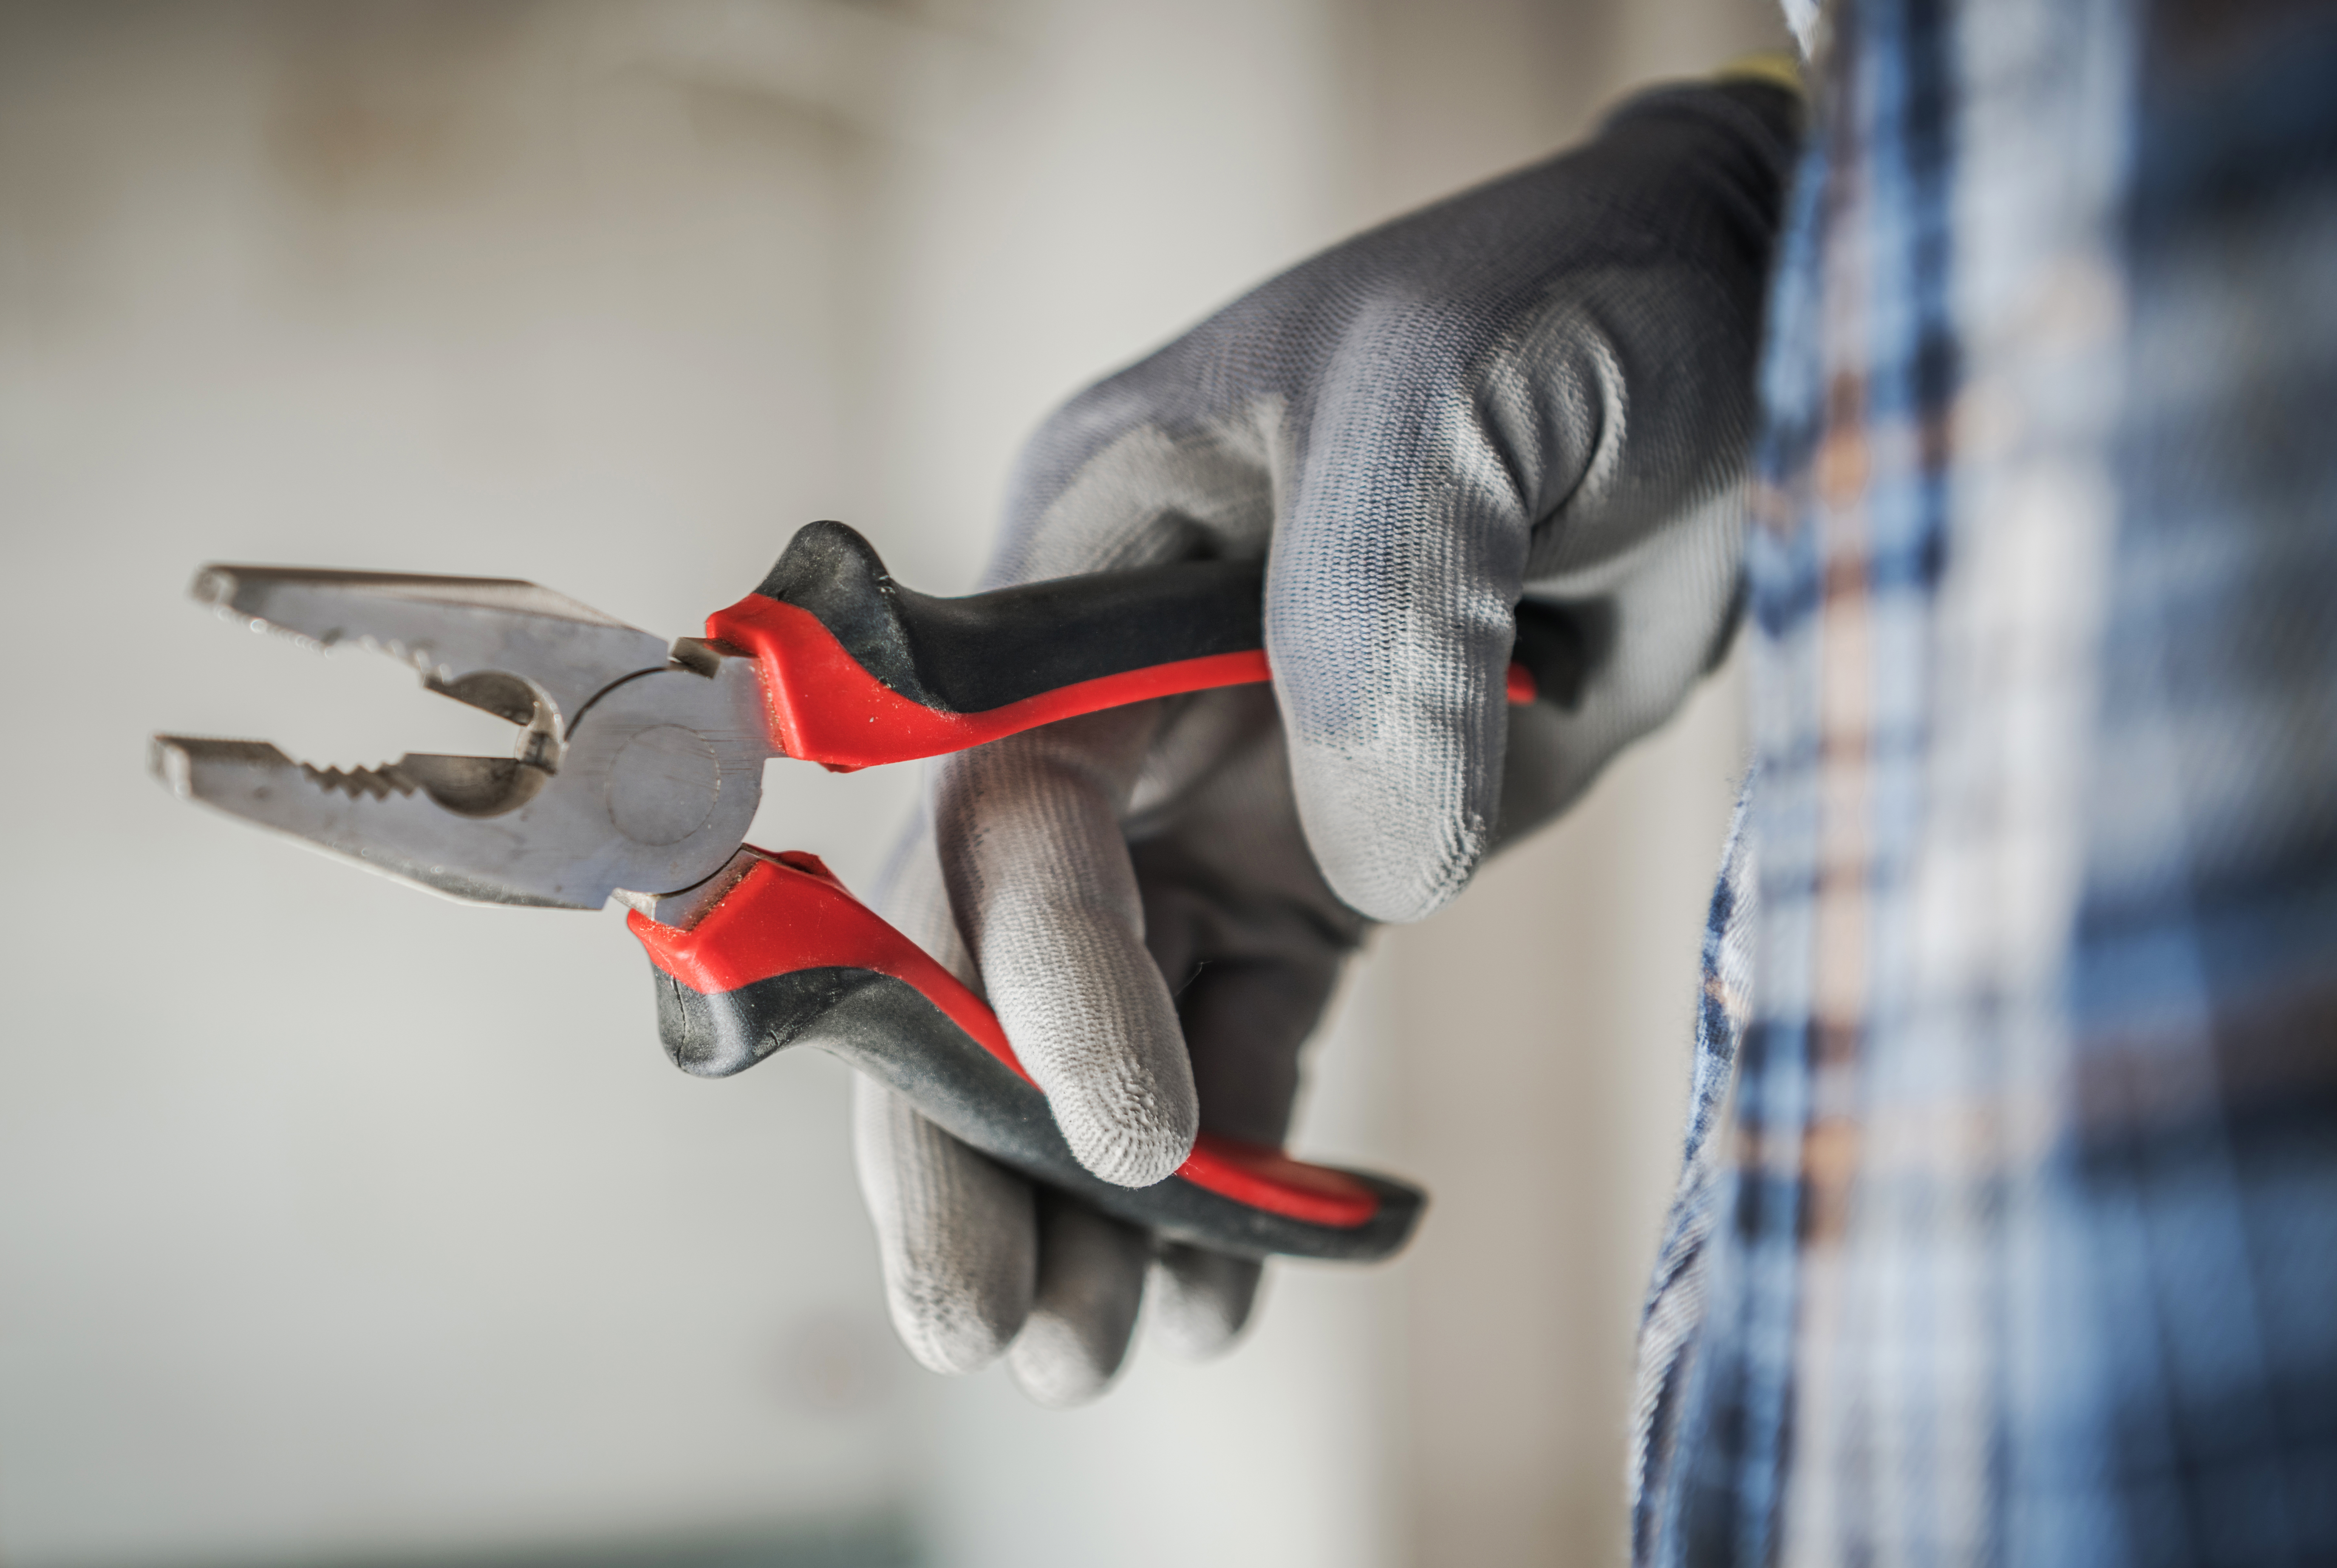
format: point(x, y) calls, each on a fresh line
point(631, 769)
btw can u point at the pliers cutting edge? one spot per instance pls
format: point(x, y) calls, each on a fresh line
point(638, 768)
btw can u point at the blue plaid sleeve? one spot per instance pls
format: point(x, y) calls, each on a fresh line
point(2017, 1240)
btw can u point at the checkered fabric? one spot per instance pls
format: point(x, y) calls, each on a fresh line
point(2016, 1239)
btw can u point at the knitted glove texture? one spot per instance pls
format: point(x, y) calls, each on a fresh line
point(1536, 391)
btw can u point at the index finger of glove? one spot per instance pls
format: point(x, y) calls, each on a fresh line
point(1389, 619)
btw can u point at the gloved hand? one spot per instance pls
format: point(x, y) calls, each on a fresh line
point(1516, 414)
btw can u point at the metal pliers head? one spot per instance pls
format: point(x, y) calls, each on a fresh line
point(637, 766)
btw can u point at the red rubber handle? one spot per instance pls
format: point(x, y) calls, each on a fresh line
point(826, 708)
point(789, 956)
point(858, 670)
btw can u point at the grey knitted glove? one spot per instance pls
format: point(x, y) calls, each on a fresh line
point(1537, 391)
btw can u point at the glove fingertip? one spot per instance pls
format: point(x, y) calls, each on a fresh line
point(1054, 1365)
point(1091, 1284)
point(947, 1333)
point(1133, 1148)
point(956, 1235)
point(1388, 854)
point(1200, 1301)
point(1095, 1025)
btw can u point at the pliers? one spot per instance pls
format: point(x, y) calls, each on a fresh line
point(638, 766)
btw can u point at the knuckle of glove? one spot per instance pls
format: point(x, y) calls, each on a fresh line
point(1154, 464)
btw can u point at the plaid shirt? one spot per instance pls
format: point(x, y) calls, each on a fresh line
point(2007, 1232)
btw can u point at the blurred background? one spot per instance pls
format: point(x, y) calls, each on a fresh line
point(343, 1225)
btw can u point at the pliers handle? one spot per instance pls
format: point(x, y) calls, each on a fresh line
point(858, 670)
point(785, 955)
point(638, 768)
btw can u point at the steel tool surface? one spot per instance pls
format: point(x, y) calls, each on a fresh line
point(638, 766)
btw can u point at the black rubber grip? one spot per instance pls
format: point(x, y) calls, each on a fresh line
point(787, 956)
point(985, 650)
point(886, 1028)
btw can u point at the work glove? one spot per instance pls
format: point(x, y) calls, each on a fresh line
point(1515, 418)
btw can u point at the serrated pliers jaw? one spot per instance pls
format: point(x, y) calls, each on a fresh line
point(635, 766)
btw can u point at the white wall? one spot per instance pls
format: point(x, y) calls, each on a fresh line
point(334, 1217)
